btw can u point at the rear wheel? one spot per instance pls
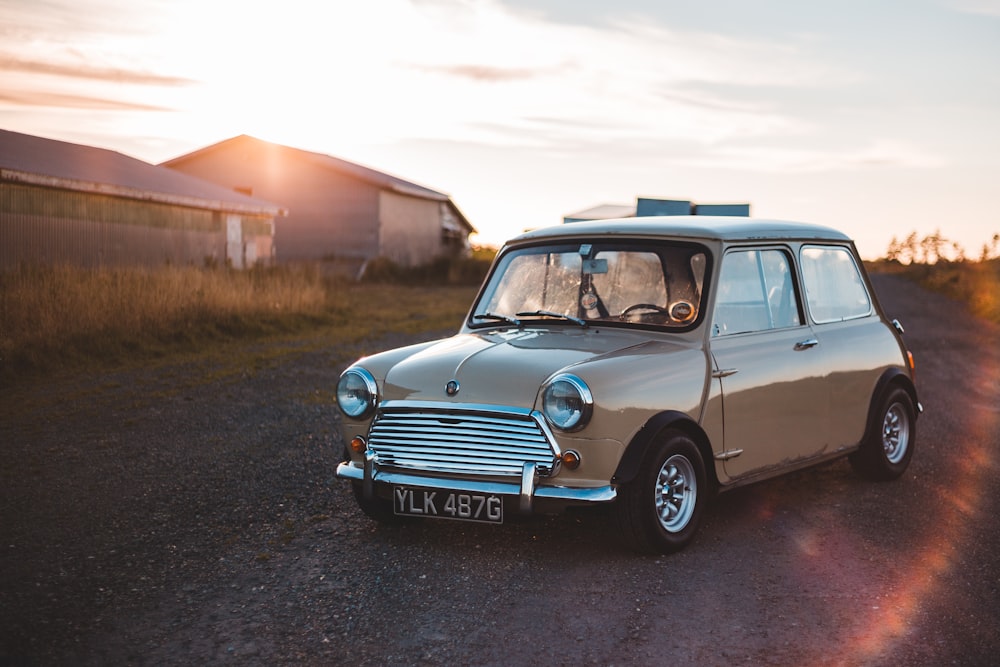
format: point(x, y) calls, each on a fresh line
point(660, 510)
point(885, 453)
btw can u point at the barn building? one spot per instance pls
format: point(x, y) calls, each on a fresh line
point(64, 203)
point(339, 212)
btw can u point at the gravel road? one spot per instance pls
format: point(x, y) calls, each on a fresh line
point(187, 514)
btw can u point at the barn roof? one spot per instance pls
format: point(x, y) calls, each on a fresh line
point(379, 179)
point(35, 160)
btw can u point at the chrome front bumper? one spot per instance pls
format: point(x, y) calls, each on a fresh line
point(526, 492)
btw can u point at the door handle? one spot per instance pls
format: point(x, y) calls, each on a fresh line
point(806, 344)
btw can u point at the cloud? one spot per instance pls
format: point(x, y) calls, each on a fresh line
point(708, 102)
point(621, 81)
point(476, 70)
point(978, 7)
point(384, 71)
point(83, 71)
point(484, 73)
point(880, 154)
point(69, 101)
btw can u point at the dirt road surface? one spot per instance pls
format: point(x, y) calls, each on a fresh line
point(187, 514)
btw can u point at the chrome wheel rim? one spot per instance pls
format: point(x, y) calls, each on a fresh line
point(895, 433)
point(676, 493)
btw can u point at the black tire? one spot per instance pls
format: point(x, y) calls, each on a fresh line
point(377, 509)
point(660, 510)
point(886, 451)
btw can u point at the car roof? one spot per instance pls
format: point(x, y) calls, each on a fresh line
point(702, 227)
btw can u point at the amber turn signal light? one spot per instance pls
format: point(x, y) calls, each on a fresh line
point(358, 444)
point(570, 459)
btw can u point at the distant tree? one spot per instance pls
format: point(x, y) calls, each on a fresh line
point(990, 249)
point(894, 250)
point(935, 247)
point(931, 247)
point(911, 247)
point(925, 250)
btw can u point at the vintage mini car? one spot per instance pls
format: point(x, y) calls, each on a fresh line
point(644, 362)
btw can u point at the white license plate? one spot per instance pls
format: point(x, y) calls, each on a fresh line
point(447, 504)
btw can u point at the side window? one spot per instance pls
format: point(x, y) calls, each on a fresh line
point(833, 284)
point(756, 293)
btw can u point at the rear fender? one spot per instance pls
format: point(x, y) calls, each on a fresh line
point(893, 377)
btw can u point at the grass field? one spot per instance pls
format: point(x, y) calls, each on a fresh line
point(66, 318)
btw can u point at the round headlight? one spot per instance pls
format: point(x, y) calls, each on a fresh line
point(567, 402)
point(356, 392)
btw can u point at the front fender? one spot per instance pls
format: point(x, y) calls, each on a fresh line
point(631, 461)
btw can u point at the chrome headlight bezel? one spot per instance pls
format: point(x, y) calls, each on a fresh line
point(357, 393)
point(567, 402)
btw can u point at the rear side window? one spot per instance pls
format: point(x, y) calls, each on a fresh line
point(833, 285)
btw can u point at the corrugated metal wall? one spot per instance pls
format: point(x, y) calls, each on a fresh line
point(410, 229)
point(332, 216)
point(50, 226)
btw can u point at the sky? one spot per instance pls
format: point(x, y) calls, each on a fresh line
point(877, 117)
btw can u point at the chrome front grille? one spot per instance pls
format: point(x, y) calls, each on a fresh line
point(459, 440)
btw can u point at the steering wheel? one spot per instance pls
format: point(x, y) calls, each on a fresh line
point(643, 306)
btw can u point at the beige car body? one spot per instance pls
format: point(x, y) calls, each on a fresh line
point(757, 404)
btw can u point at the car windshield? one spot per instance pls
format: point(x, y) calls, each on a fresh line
point(649, 284)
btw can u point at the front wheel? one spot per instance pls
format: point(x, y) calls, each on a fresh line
point(886, 451)
point(661, 509)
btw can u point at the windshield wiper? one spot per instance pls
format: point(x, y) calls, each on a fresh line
point(549, 313)
point(499, 318)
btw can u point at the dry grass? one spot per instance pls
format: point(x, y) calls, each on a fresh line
point(66, 317)
point(977, 284)
point(58, 318)
point(51, 305)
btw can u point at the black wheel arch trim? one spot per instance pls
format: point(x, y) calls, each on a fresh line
point(891, 377)
point(635, 452)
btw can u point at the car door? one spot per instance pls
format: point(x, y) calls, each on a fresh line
point(768, 363)
point(852, 337)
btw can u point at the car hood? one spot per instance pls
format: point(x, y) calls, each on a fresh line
point(505, 367)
